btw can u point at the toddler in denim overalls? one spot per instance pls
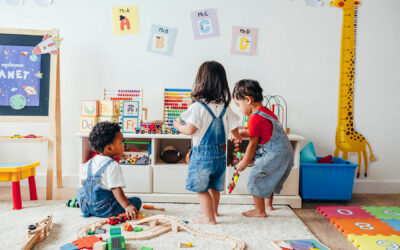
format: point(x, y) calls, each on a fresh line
point(95, 199)
point(209, 120)
point(269, 147)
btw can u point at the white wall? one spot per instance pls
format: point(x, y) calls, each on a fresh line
point(297, 57)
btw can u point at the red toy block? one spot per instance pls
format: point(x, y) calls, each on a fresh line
point(343, 212)
point(367, 226)
point(326, 159)
point(86, 242)
point(128, 227)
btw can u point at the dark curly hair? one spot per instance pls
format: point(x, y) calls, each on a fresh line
point(247, 87)
point(211, 84)
point(103, 133)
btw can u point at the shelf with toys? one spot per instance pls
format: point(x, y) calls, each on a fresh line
point(163, 179)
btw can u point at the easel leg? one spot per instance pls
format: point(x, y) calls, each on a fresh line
point(50, 164)
point(58, 127)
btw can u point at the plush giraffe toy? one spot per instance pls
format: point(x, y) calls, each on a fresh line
point(347, 138)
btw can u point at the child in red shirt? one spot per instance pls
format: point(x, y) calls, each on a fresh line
point(267, 142)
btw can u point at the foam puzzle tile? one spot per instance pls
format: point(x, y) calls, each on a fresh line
point(343, 212)
point(393, 223)
point(378, 242)
point(387, 213)
point(363, 226)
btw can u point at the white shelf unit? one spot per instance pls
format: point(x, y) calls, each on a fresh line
point(163, 182)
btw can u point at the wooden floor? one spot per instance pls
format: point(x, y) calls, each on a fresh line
point(316, 222)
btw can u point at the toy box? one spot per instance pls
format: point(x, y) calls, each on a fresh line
point(321, 181)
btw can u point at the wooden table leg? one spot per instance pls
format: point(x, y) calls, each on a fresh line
point(32, 187)
point(17, 204)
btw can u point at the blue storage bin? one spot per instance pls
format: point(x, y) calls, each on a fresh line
point(321, 181)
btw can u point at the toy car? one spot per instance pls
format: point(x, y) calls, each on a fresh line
point(16, 136)
point(30, 136)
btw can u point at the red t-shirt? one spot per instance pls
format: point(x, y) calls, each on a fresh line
point(260, 127)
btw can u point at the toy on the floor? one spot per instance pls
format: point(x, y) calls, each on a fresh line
point(87, 242)
point(121, 218)
point(158, 225)
point(368, 227)
point(151, 207)
point(73, 203)
point(146, 248)
point(308, 244)
point(184, 245)
point(16, 136)
point(116, 241)
point(30, 136)
point(37, 233)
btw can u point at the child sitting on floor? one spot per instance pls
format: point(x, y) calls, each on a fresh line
point(101, 194)
point(267, 142)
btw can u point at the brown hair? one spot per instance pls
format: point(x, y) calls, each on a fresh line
point(211, 84)
point(247, 87)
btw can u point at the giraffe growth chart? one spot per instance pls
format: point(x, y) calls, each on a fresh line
point(347, 138)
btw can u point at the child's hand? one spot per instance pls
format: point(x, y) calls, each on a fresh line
point(178, 123)
point(131, 212)
point(241, 166)
point(236, 139)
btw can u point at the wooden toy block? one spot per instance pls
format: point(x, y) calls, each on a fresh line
point(151, 207)
point(343, 212)
point(387, 213)
point(100, 245)
point(130, 109)
point(89, 107)
point(114, 119)
point(128, 227)
point(363, 226)
point(109, 108)
point(129, 124)
point(87, 123)
point(379, 242)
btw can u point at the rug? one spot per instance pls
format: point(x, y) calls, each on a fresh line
point(257, 233)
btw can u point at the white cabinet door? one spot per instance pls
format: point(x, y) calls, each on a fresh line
point(138, 178)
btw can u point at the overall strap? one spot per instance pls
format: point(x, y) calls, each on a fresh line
point(89, 172)
point(101, 170)
point(223, 112)
point(263, 114)
point(208, 109)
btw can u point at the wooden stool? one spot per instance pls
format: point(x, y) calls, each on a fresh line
point(16, 171)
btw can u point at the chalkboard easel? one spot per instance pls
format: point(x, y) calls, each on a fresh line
point(46, 108)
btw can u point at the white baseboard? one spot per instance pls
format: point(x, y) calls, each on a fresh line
point(376, 186)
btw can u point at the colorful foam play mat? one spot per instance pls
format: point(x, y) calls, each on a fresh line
point(369, 228)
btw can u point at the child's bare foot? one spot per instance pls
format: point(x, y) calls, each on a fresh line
point(217, 214)
point(204, 220)
point(269, 208)
point(255, 213)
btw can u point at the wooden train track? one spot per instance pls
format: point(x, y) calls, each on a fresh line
point(158, 225)
point(37, 235)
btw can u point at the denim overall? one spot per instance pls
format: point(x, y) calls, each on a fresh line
point(96, 201)
point(273, 162)
point(207, 161)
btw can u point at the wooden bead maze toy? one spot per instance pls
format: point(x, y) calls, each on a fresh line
point(157, 225)
point(176, 101)
point(277, 104)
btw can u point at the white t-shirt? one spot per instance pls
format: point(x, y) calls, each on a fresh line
point(110, 178)
point(201, 118)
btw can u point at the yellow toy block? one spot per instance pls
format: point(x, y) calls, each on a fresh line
point(109, 108)
point(89, 107)
point(114, 119)
point(87, 123)
point(129, 124)
point(376, 242)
